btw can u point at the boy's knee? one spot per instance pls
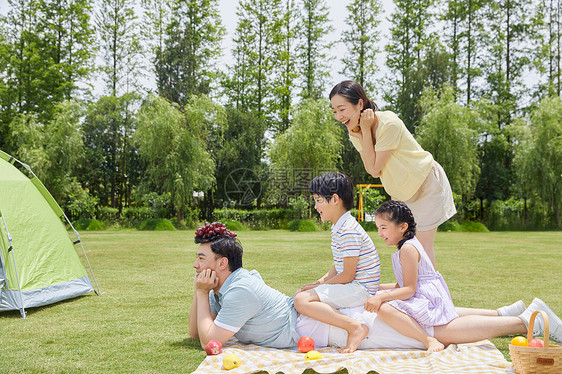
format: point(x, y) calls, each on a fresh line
point(303, 298)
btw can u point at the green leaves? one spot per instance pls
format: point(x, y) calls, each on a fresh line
point(176, 160)
point(447, 131)
point(311, 143)
point(361, 39)
point(189, 46)
point(539, 153)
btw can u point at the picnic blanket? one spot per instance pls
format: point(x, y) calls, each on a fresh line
point(480, 357)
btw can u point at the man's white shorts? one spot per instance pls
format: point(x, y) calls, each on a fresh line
point(380, 335)
point(342, 295)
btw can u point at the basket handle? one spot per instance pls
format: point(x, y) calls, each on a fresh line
point(532, 325)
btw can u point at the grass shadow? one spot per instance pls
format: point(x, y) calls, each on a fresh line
point(33, 310)
point(186, 343)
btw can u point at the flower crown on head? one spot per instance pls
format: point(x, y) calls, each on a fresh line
point(210, 230)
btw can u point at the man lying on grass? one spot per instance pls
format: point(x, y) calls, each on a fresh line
point(232, 301)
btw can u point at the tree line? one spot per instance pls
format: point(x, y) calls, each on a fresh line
point(476, 81)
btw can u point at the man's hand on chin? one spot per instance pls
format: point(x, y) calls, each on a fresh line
point(206, 280)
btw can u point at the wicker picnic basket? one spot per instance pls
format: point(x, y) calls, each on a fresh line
point(527, 360)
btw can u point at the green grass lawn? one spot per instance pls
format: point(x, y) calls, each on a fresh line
point(139, 324)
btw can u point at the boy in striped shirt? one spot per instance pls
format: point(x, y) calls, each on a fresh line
point(356, 272)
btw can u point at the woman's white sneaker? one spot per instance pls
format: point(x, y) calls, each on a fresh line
point(514, 309)
point(554, 322)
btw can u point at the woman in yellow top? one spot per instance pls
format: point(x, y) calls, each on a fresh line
point(389, 151)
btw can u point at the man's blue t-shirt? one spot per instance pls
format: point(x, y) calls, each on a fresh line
point(257, 313)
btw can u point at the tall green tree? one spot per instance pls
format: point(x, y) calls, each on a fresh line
point(361, 39)
point(547, 26)
point(47, 53)
point(186, 63)
point(312, 49)
point(240, 159)
point(495, 152)
point(156, 18)
point(410, 37)
point(284, 68)
point(174, 159)
point(110, 122)
point(120, 47)
point(68, 38)
point(5, 94)
point(505, 60)
point(539, 154)
point(250, 80)
point(111, 167)
point(464, 32)
point(507, 56)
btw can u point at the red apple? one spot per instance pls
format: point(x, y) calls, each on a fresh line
point(536, 343)
point(213, 348)
point(306, 344)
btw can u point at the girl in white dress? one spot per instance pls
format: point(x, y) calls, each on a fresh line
point(420, 298)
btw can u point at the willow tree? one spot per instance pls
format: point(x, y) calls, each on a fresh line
point(450, 132)
point(539, 153)
point(175, 159)
point(299, 153)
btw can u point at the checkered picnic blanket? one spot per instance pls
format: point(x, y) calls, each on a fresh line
point(480, 357)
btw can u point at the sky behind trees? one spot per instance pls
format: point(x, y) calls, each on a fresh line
point(337, 16)
point(338, 12)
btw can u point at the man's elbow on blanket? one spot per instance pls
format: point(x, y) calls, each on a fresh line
point(214, 333)
point(194, 334)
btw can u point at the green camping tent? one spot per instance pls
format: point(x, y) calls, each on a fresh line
point(39, 264)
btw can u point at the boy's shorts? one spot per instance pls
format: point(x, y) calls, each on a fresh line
point(342, 295)
point(433, 203)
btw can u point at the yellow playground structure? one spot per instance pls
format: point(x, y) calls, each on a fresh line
point(361, 214)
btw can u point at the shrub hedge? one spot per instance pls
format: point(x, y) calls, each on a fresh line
point(259, 219)
point(233, 226)
point(468, 226)
point(156, 224)
point(88, 225)
point(302, 225)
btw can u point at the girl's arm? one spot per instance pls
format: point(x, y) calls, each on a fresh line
point(409, 258)
point(388, 286)
point(372, 161)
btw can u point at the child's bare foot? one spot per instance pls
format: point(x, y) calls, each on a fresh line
point(434, 345)
point(355, 337)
